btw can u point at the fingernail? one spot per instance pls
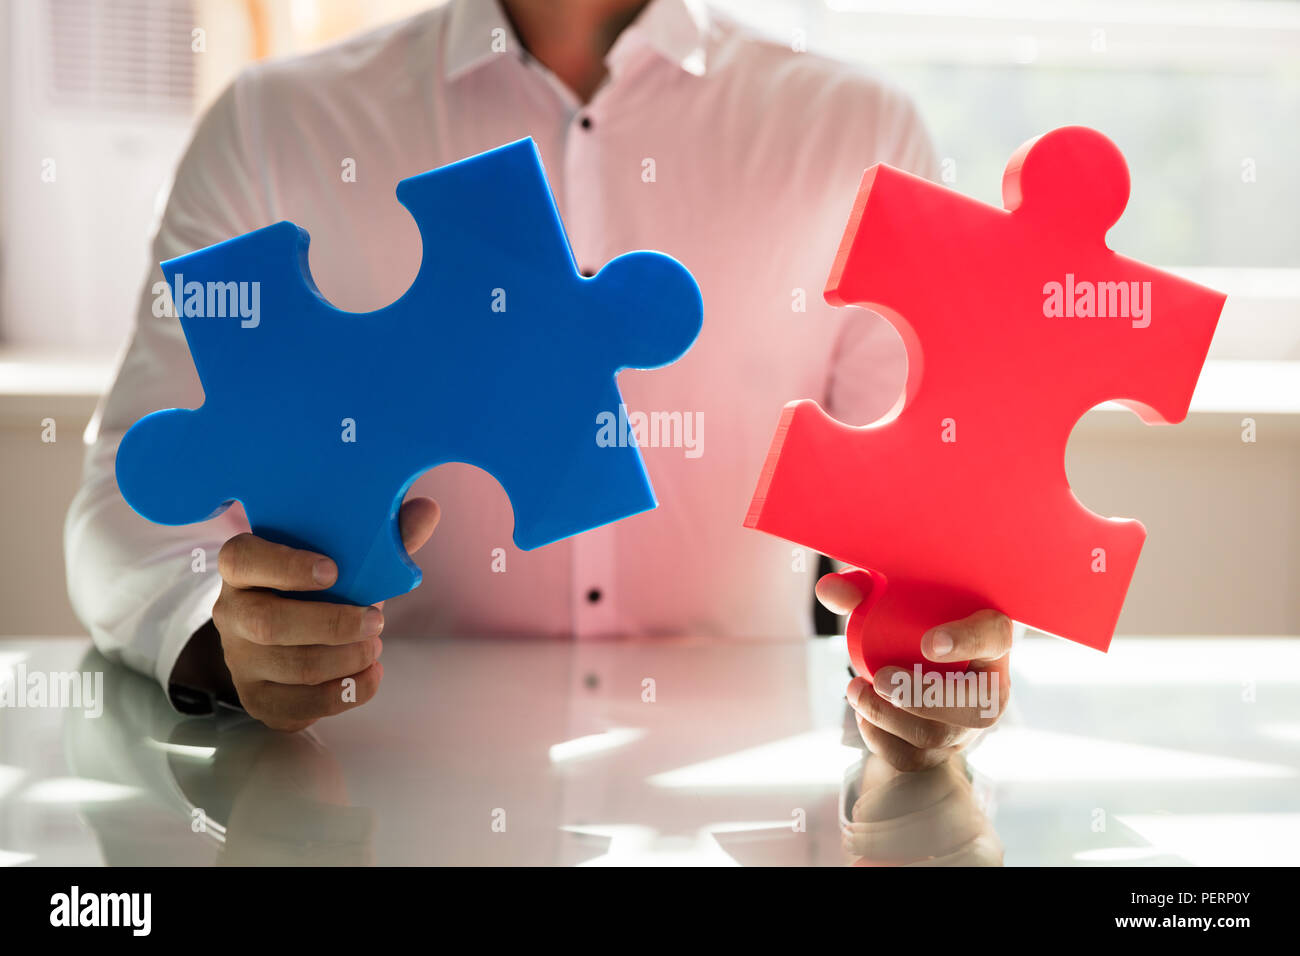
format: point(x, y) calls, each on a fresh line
point(379, 647)
point(853, 693)
point(883, 683)
point(940, 644)
point(323, 571)
point(372, 622)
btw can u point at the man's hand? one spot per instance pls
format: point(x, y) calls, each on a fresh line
point(288, 658)
point(897, 727)
point(930, 818)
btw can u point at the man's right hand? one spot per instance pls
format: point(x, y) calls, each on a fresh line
point(288, 658)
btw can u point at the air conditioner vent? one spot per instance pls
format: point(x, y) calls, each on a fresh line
point(121, 55)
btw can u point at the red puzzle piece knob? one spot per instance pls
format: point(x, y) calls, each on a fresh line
point(1016, 322)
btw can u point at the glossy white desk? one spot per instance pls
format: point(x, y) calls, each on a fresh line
point(1162, 752)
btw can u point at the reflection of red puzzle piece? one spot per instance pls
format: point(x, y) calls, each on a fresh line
point(958, 499)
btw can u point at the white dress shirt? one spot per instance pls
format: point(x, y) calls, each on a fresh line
point(737, 156)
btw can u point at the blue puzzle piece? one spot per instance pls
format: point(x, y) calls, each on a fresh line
point(499, 355)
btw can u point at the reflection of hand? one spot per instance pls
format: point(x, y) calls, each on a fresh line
point(288, 658)
point(927, 818)
point(287, 798)
point(902, 729)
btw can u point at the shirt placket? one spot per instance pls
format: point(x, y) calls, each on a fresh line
point(593, 555)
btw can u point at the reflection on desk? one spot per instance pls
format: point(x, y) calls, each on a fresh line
point(665, 752)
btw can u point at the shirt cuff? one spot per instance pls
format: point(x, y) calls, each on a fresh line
point(192, 614)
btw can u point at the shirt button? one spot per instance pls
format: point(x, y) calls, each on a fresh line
point(593, 596)
point(585, 122)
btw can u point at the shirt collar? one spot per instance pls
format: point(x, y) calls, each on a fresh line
point(479, 31)
point(677, 30)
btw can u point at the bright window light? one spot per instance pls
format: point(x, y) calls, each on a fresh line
point(1222, 839)
point(182, 750)
point(591, 745)
point(1159, 660)
point(10, 777)
point(1289, 733)
point(1019, 755)
point(633, 845)
point(77, 790)
point(817, 757)
point(1118, 854)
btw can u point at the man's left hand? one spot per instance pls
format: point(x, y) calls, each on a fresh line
point(900, 729)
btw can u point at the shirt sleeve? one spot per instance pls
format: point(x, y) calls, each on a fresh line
point(869, 363)
point(143, 589)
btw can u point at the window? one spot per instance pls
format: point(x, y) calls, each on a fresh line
point(1202, 97)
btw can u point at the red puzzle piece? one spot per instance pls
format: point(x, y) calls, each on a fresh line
point(1016, 322)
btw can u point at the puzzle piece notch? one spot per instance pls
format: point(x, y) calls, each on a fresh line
point(436, 376)
point(987, 519)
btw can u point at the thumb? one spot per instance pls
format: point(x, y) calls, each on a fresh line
point(844, 591)
point(417, 519)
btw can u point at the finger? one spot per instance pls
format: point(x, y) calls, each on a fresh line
point(976, 698)
point(291, 706)
point(312, 664)
point(899, 754)
point(984, 636)
point(264, 617)
point(921, 732)
point(417, 519)
point(247, 561)
point(843, 591)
